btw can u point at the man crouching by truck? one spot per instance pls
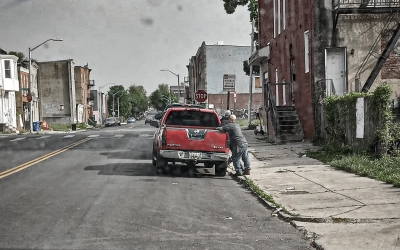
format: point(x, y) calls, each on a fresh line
point(238, 145)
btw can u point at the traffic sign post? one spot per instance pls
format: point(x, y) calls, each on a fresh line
point(200, 95)
point(228, 86)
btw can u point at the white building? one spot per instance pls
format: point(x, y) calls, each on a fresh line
point(9, 84)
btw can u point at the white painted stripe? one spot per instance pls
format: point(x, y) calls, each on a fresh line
point(18, 139)
point(145, 135)
point(93, 136)
point(118, 136)
point(69, 136)
point(42, 137)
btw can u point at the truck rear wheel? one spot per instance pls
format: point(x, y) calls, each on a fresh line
point(220, 168)
point(160, 165)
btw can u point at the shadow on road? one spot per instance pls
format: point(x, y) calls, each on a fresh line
point(143, 169)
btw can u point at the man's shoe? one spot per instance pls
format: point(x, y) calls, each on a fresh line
point(246, 172)
point(237, 174)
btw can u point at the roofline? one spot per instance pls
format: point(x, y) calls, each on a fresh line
point(64, 60)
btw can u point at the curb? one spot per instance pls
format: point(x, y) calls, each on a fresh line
point(312, 237)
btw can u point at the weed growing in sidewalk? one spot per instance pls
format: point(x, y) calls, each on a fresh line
point(265, 196)
point(384, 168)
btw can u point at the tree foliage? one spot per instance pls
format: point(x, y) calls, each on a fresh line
point(125, 105)
point(140, 101)
point(161, 97)
point(20, 55)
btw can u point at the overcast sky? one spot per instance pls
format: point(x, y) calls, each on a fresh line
point(124, 41)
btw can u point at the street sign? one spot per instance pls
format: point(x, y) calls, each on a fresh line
point(200, 95)
point(229, 82)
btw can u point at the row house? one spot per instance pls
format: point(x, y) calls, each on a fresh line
point(82, 91)
point(9, 85)
point(207, 68)
point(338, 46)
point(25, 98)
point(64, 92)
point(98, 111)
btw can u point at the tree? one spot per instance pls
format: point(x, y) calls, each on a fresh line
point(125, 104)
point(139, 99)
point(161, 97)
point(20, 55)
point(252, 6)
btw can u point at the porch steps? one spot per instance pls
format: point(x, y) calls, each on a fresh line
point(290, 127)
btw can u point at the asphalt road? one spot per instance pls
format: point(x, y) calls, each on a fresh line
point(104, 194)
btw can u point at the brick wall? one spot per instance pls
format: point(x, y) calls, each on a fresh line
point(391, 68)
point(242, 101)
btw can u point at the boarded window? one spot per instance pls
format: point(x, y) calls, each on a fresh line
point(257, 83)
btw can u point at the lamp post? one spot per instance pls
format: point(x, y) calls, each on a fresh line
point(114, 101)
point(177, 75)
point(30, 78)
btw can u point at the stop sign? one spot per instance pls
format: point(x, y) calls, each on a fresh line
point(200, 95)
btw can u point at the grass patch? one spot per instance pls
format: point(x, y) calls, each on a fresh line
point(60, 126)
point(244, 122)
point(81, 126)
point(384, 168)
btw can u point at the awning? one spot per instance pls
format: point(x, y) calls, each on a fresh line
point(259, 56)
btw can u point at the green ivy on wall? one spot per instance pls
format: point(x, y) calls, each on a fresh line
point(340, 115)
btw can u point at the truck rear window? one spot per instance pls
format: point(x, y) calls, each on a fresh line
point(192, 118)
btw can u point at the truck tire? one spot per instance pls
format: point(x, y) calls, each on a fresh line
point(220, 168)
point(153, 162)
point(160, 165)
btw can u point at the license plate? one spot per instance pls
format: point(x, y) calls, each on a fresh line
point(194, 155)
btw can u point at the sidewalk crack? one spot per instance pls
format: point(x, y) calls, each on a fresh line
point(330, 190)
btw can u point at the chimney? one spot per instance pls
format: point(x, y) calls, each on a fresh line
point(220, 43)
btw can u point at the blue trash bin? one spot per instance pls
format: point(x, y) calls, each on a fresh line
point(36, 126)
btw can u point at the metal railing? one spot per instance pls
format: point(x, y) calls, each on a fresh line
point(273, 110)
point(366, 3)
point(284, 95)
point(326, 87)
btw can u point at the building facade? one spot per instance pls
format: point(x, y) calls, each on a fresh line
point(9, 85)
point(82, 91)
point(330, 45)
point(57, 99)
point(207, 68)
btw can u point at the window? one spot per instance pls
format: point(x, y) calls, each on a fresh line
point(192, 118)
point(284, 13)
point(274, 18)
point(306, 52)
point(279, 16)
point(7, 68)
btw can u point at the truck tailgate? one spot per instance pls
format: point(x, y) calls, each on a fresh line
point(196, 139)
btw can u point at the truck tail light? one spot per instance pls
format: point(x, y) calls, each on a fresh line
point(164, 137)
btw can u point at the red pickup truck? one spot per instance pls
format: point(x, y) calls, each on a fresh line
point(188, 135)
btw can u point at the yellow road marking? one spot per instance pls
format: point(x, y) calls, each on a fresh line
point(40, 159)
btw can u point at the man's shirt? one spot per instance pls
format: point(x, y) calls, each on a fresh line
point(235, 134)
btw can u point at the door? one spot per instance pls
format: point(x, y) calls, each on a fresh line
point(335, 69)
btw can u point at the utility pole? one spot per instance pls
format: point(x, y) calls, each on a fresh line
point(251, 75)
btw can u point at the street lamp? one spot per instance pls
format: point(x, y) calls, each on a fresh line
point(114, 101)
point(177, 75)
point(30, 78)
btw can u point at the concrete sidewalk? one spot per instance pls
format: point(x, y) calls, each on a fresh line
point(339, 210)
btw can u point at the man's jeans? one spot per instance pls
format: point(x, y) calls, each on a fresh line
point(241, 153)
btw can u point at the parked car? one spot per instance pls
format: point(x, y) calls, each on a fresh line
point(149, 119)
point(189, 136)
point(112, 121)
point(130, 120)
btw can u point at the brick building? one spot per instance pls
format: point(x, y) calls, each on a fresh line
point(330, 45)
point(206, 70)
point(82, 89)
